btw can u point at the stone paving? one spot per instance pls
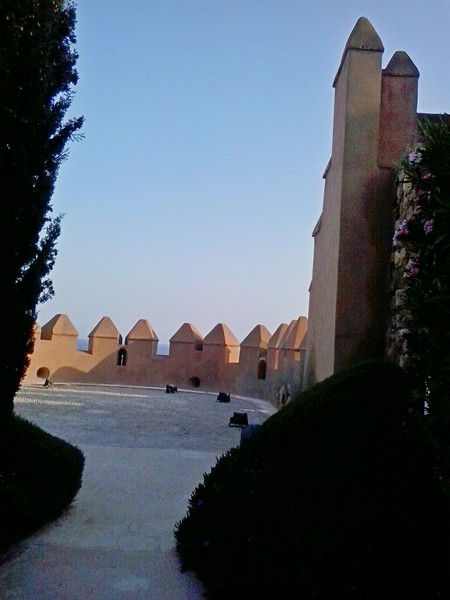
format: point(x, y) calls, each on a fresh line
point(145, 451)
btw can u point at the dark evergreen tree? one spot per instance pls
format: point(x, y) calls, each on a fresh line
point(37, 75)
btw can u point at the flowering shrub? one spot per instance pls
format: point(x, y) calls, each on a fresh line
point(419, 335)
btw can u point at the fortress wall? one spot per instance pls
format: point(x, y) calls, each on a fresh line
point(101, 346)
point(141, 372)
point(273, 348)
point(216, 365)
point(213, 364)
point(185, 364)
point(288, 377)
point(251, 379)
point(375, 119)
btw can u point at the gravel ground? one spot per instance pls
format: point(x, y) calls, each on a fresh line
point(134, 417)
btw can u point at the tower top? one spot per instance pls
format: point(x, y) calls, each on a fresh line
point(401, 65)
point(364, 38)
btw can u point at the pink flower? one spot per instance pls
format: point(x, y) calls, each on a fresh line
point(424, 194)
point(415, 158)
point(428, 226)
point(413, 270)
point(400, 336)
point(401, 231)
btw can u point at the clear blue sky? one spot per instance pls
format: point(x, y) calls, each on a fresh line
point(194, 193)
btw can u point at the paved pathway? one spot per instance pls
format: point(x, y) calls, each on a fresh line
point(145, 451)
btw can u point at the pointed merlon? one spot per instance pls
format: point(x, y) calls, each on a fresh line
point(258, 337)
point(275, 340)
point(142, 331)
point(401, 65)
point(59, 325)
point(187, 334)
point(221, 335)
point(287, 333)
point(105, 328)
point(296, 334)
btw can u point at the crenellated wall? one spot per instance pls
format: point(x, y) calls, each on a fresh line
point(262, 365)
point(375, 120)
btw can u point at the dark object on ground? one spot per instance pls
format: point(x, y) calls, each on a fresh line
point(238, 420)
point(223, 397)
point(48, 383)
point(335, 498)
point(171, 389)
point(40, 475)
point(248, 432)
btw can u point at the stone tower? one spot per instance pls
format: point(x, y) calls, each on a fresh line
point(374, 120)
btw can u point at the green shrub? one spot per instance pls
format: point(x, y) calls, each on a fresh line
point(39, 477)
point(334, 497)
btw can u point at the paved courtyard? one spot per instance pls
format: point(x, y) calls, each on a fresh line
point(145, 451)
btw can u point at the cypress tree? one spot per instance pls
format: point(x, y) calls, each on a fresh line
point(37, 75)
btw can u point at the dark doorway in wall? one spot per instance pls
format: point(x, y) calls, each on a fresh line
point(262, 367)
point(194, 381)
point(122, 358)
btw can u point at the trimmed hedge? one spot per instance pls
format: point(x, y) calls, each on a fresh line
point(40, 475)
point(335, 496)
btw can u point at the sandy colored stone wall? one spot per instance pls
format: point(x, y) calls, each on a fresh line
point(217, 362)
